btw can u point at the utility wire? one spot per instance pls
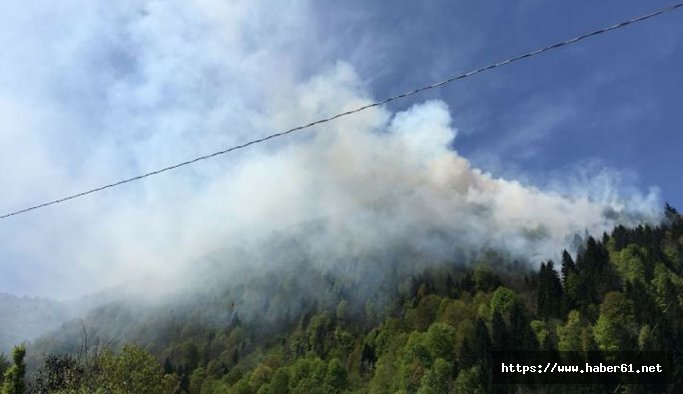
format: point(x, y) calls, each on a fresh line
point(350, 112)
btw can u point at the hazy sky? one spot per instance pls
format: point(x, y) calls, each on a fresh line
point(91, 92)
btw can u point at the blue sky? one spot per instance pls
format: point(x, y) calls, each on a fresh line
point(610, 101)
point(97, 91)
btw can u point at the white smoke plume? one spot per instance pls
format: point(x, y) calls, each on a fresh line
point(105, 90)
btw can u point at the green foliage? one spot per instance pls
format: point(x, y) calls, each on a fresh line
point(197, 380)
point(4, 365)
point(470, 381)
point(440, 341)
point(575, 335)
point(429, 333)
point(420, 317)
point(503, 300)
point(629, 262)
point(437, 379)
point(543, 335)
point(415, 359)
point(484, 278)
point(279, 384)
point(384, 378)
point(307, 375)
point(242, 387)
point(133, 371)
point(615, 327)
point(318, 330)
point(59, 374)
point(13, 382)
point(336, 377)
point(342, 311)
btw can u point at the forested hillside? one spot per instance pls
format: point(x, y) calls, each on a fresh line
point(427, 333)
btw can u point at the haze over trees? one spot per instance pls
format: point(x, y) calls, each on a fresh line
point(28, 317)
point(432, 334)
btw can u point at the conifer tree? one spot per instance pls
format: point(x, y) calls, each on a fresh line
point(498, 332)
point(549, 296)
point(14, 376)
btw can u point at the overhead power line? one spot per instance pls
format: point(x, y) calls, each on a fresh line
point(350, 112)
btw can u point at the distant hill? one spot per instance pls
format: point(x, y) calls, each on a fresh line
point(25, 318)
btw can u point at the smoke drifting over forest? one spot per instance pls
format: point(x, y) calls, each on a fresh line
point(134, 87)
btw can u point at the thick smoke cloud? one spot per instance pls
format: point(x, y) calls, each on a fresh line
point(105, 90)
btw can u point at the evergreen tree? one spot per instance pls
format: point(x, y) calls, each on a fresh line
point(4, 365)
point(568, 266)
point(669, 211)
point(14, 376)
point(620, 237)
point(591, 265)
point(570, 284)
point(549, 295)
point(483, 341)
point(644, 306)
point(520, 330)
point(498, 332)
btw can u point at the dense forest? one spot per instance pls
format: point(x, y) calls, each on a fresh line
point(427, 333)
